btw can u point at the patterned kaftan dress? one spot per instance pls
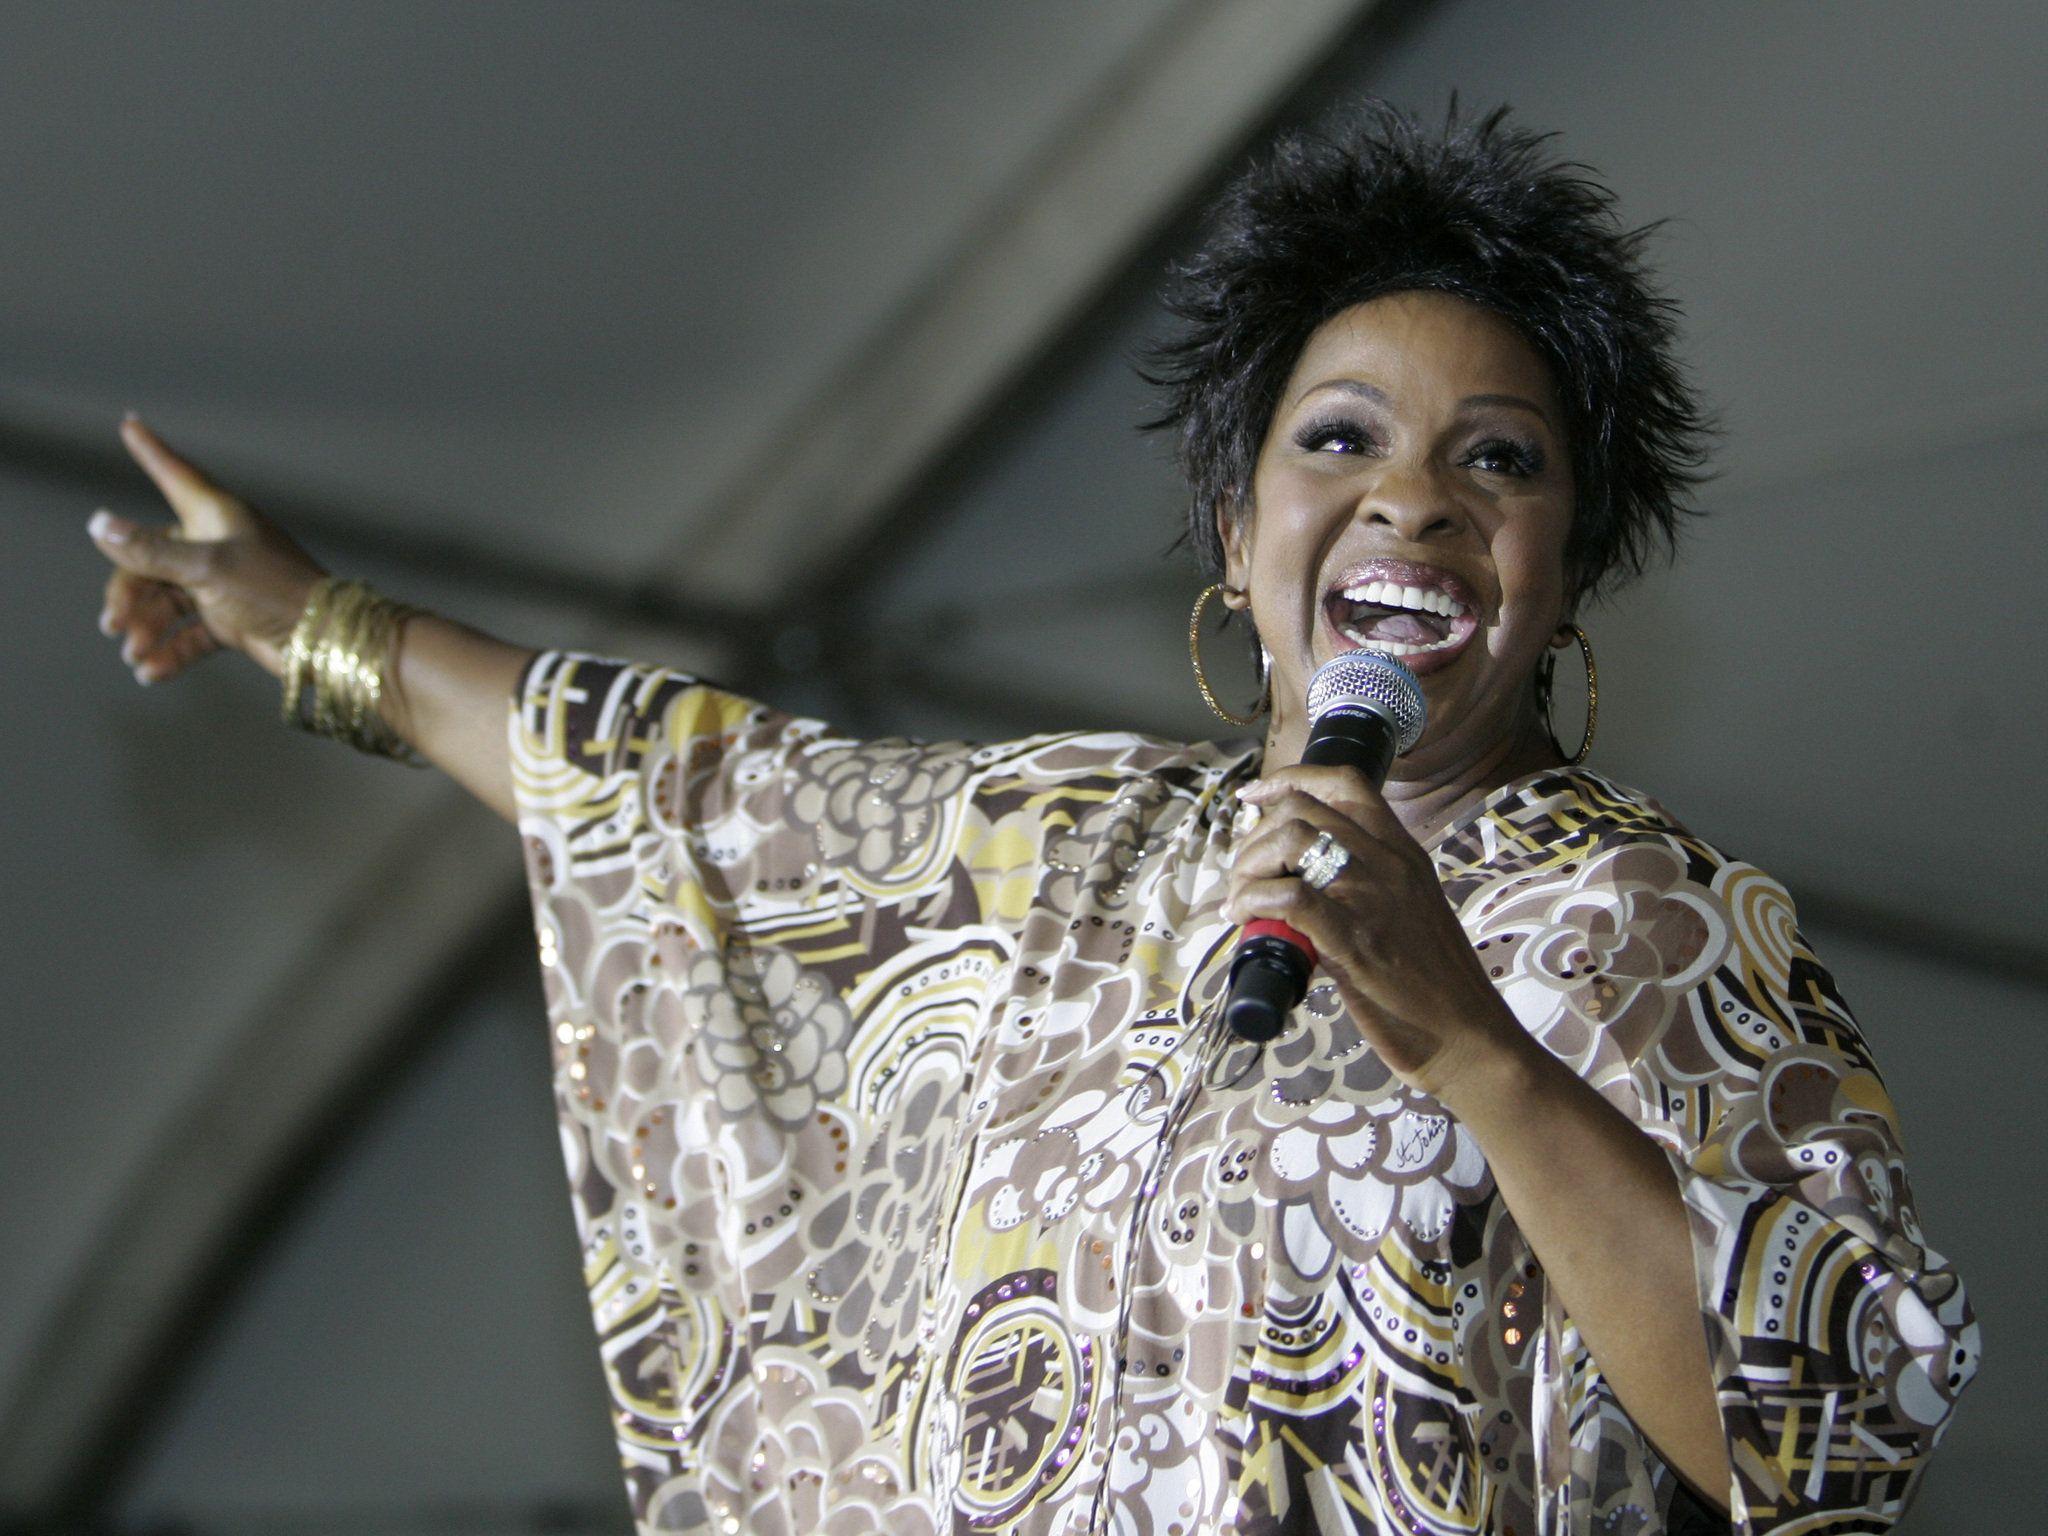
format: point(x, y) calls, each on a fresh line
point(866, 1052)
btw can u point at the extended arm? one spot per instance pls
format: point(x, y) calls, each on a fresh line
point(452, 687)
point(225, 577)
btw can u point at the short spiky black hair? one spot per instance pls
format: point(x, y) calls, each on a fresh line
point(1374, 204)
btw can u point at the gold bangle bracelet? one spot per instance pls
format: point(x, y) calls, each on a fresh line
point(298, 654)
point(343, 645)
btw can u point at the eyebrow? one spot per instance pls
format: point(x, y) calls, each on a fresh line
point(1517, 401)
point(1372, 392)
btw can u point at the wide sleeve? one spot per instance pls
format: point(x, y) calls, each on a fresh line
point(724, 893)
point(1678, 983)
point(771, 957)
point(765, 951)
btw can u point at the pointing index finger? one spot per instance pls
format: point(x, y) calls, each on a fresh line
point(149, 450)
point(192, 496)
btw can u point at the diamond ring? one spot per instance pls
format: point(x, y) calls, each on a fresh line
point(1323, 862)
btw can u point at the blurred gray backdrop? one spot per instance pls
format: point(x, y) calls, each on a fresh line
point(791, 342)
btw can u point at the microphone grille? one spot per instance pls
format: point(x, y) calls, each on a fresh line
point(1370, 681)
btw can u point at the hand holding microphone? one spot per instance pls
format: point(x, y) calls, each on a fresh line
point(1364, 710)
point(1329, 876)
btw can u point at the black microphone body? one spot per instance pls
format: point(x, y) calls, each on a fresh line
point(1353, 739)
point(1365, 709)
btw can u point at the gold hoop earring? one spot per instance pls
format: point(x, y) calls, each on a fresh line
point(1544, 677)
point(1202, 679)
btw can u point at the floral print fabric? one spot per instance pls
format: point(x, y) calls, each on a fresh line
point(866, 1052)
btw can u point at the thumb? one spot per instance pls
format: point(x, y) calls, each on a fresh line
point(160, 554)
point(204, 510)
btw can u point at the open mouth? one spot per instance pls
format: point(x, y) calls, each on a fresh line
point(1416, 613)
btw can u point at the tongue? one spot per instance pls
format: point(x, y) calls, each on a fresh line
point(1404, 628)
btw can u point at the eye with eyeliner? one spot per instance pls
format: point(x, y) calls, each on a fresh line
point(1320, 433)
point(1515, 456)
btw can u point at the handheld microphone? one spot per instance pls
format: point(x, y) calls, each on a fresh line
point(1364, 710)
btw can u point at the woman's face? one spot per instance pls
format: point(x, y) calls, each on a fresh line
point(1412, 495)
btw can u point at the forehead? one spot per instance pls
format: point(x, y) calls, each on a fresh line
point(1422, 349)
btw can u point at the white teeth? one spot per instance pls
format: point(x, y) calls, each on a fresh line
point(1396, 647)
point(1387, 594)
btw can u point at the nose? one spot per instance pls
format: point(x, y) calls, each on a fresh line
point(1413, 501)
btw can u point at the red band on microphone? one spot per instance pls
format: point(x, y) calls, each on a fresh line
point(1270, 928)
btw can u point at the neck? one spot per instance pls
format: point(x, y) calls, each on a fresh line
point(1428, 801)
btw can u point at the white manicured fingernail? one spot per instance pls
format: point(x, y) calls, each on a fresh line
point(104, 525)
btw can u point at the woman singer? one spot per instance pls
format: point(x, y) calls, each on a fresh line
point(922, 1189)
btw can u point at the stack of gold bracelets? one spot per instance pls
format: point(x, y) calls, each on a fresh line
point(343, 645)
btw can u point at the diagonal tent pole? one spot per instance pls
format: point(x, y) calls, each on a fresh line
point(1108, 182)
point(101, 1361)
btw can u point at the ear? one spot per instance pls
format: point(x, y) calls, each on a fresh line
point(1234, 531)
point(1563, 636)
